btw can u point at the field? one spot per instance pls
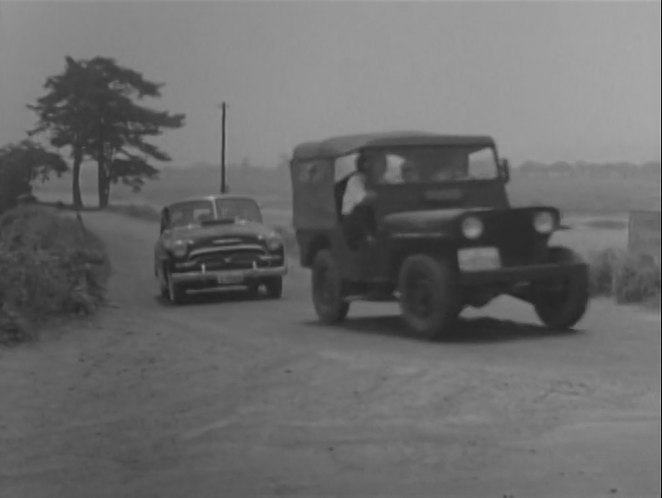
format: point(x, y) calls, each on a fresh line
point(596, 208)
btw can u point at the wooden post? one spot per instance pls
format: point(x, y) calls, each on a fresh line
point(223, 107)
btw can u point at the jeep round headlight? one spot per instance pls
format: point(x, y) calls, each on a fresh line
point(274, 243)
point(472, 227)
point(179, 248)
point(543, 222)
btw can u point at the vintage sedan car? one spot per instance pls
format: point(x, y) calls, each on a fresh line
point(217, 242)
point(436, 232)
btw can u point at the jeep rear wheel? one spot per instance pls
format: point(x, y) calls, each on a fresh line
point(327, 289)
point(563, 306)
point(428, 295)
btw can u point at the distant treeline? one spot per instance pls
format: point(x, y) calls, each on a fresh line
point(649, 169)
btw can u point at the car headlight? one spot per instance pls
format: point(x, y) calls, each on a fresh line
point(179, 248)
point(274, 243)
point(472, 227)
point(544, 222)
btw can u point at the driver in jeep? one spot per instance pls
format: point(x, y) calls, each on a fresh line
point(356, 213)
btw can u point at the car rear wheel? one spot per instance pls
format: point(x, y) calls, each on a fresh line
point(428, 295)
point(564, 305)
point(176, 292)
point(327, 289)
point(274, 287)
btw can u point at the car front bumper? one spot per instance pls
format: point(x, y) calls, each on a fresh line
point(522, 274)
point(227, 277)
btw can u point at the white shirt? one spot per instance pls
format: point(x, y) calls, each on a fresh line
point(355, 192)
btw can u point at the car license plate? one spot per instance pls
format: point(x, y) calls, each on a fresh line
point(479, 258)
point(230, 278)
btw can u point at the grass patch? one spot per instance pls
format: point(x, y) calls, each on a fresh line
point(49, 266)
point(626, 277)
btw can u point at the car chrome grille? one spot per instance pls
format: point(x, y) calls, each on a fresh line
point(232, 257)
point(226, 251)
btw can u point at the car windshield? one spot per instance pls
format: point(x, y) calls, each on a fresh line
point(432, 164)
point(190, 213)
point(238, 209)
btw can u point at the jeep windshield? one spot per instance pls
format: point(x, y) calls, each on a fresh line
point(432, 164)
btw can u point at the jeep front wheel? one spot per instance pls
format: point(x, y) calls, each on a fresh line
point(564, 305)
point(428, 295)
point(327, 289)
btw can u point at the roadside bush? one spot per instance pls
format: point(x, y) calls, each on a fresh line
point(49, 265)
point(627, 277)
point(20, 165)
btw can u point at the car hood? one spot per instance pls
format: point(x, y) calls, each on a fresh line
point(426, 220)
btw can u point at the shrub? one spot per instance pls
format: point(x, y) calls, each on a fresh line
point(20, 165)
point(629, 278)
point(49, 265)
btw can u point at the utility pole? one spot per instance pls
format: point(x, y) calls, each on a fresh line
point(223, 106)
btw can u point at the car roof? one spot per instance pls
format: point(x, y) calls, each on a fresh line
point(347, 144)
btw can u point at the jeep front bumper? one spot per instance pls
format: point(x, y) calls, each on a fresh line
point(522, 274)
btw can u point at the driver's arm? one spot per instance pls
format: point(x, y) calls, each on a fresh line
point(355, 193)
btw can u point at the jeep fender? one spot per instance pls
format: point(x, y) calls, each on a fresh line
point(436, 245)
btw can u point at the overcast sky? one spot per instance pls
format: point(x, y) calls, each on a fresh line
point(567, 81)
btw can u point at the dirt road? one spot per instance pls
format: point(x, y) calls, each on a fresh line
point(226, 397)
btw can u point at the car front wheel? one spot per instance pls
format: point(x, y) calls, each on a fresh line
point(428, 295)
point(327, 289)
point(176, 292)
point(274, 287)
point(163, 283)
point(565, 304)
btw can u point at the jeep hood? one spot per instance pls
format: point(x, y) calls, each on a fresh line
point(425, 221)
